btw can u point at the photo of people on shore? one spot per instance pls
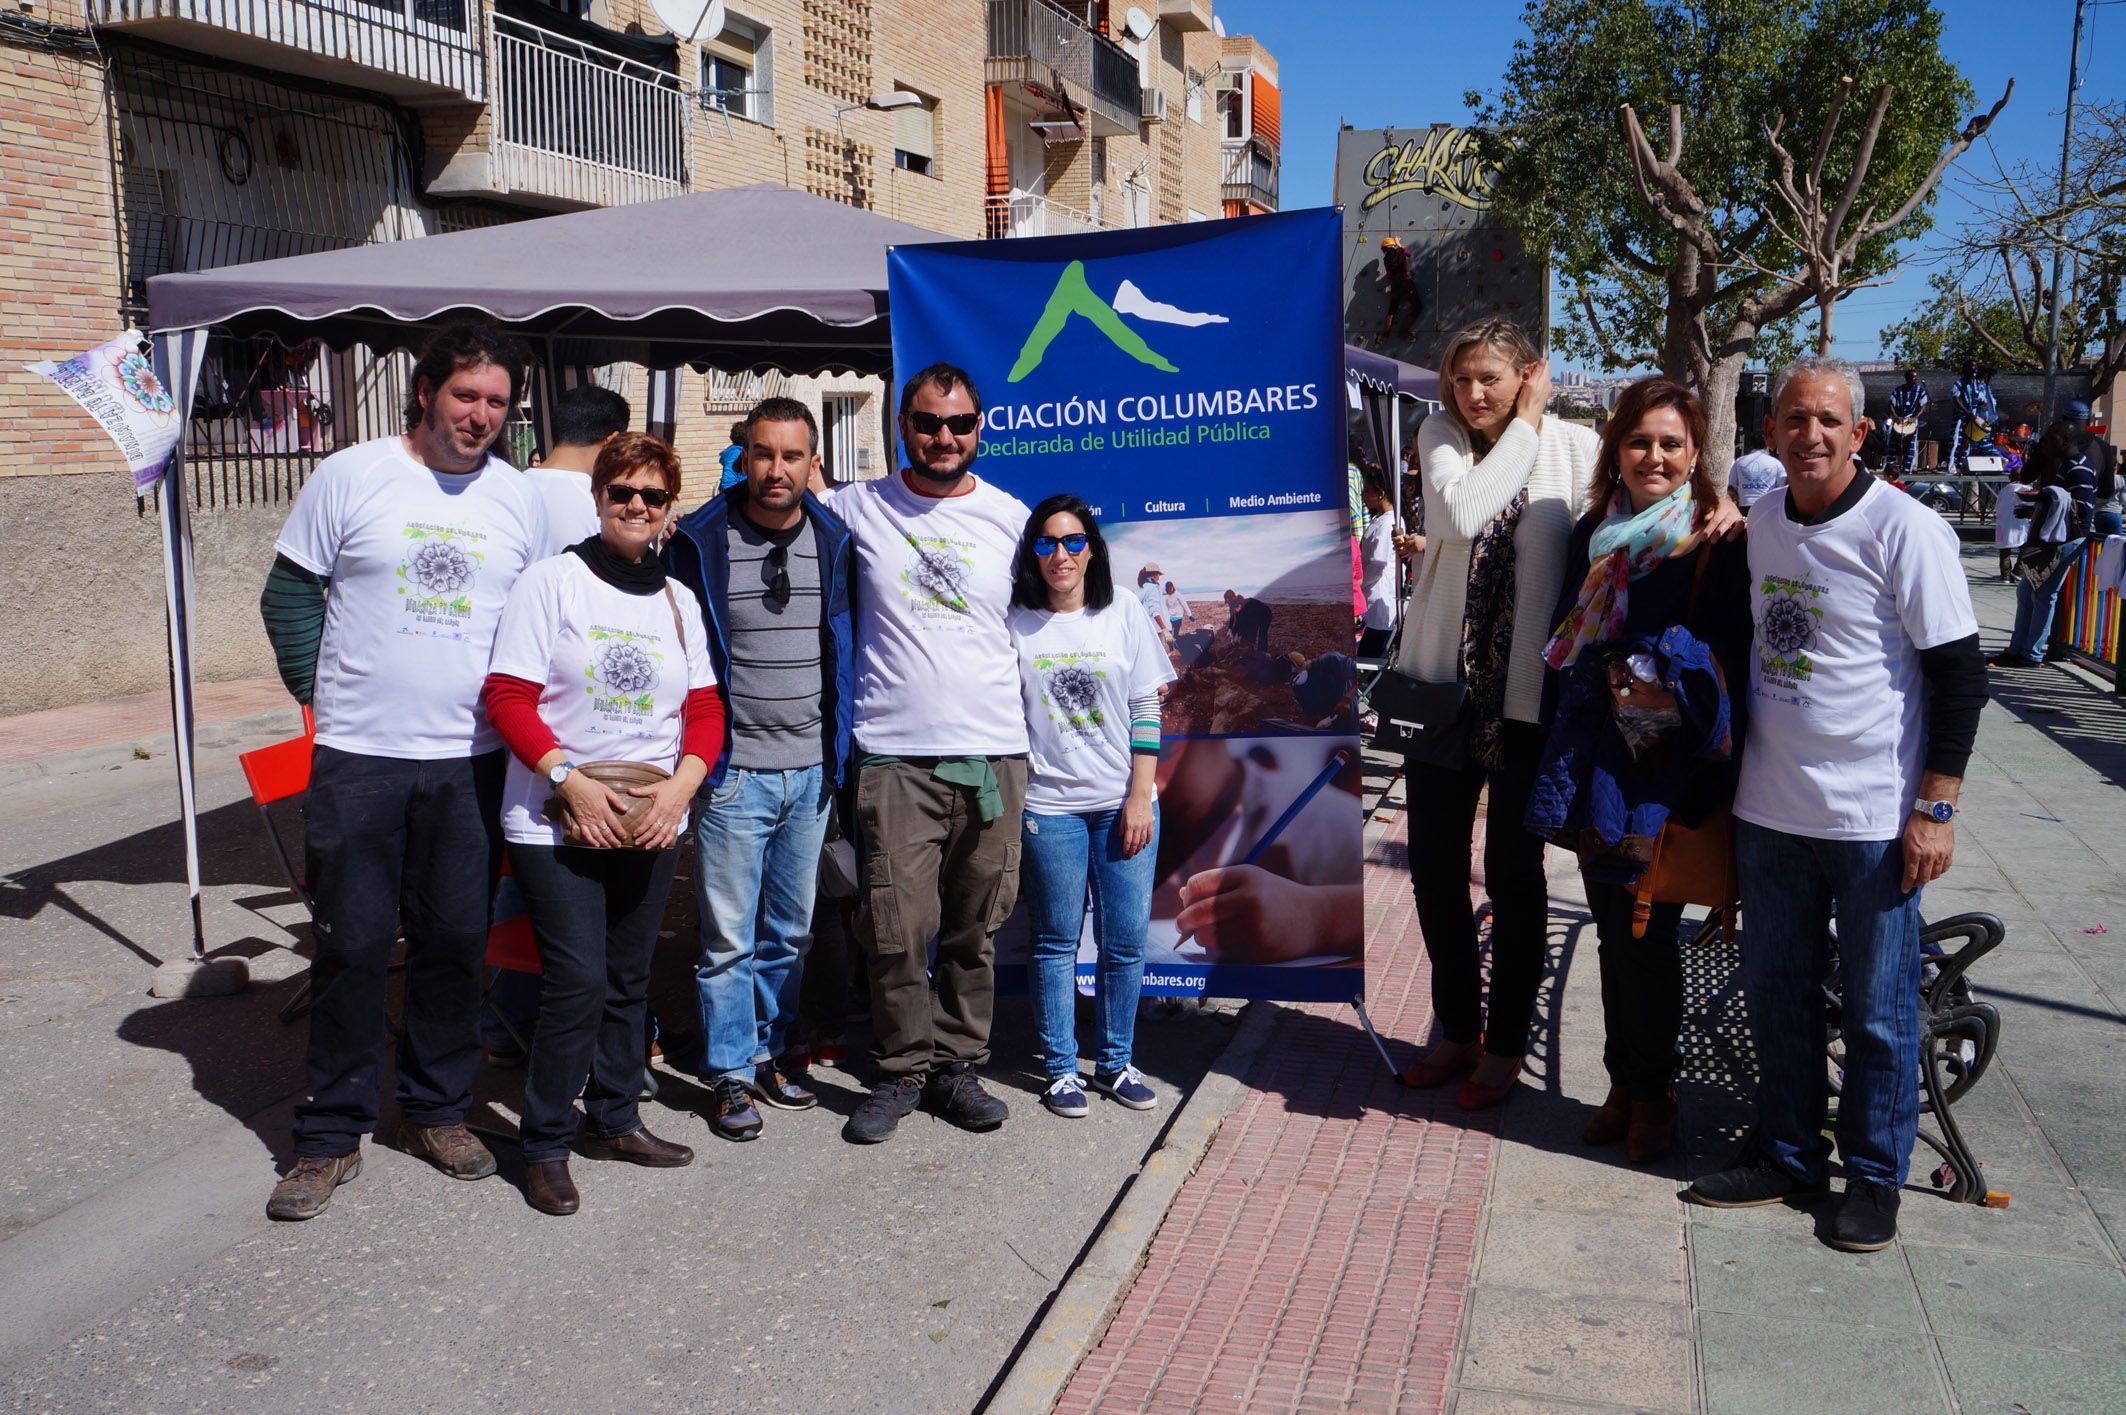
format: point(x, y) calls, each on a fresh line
point(1256, 613)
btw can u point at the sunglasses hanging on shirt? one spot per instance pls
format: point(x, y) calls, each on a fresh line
point(778, 595)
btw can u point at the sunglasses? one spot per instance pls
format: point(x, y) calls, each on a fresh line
point(1045, 546)
point(778, 595)
point(653, 497)
point(960, 423)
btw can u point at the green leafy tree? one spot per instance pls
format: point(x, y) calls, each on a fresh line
point(1687, 256)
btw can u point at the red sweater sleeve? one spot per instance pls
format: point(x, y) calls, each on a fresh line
point(513, 707)
point(704, 732)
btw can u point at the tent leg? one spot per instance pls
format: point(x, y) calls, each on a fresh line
point(1359, 1004)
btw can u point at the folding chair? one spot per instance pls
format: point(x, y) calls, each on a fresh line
point(276, 773)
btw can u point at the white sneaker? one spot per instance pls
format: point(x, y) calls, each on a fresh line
point(1066, 1097)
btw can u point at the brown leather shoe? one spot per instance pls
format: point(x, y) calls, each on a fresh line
point(1607, 1125)
point(451, 1148)
point(548, 1188)
point(638, 1146)
point(1653, 1130)
point(306, 1190)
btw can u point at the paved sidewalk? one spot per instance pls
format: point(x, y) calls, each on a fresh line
point(1348, 1245)
point(142, 720)
point(1319, 1258)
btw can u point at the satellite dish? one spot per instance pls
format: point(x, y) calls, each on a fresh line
point(1218, 25)
point(1137, 25)
point(690, 20)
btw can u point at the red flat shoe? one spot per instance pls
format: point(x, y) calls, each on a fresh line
point(1425, 1074)
point(1477, 1096)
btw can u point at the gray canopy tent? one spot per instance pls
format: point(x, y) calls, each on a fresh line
point(746, 279)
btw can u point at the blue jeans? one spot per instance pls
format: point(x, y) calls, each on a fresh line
point(2033, 607)
point(756, 869)
point(1792, 887)
point(1064, 854)
point(2105, 523)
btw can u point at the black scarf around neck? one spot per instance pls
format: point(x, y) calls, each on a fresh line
point(644, 576)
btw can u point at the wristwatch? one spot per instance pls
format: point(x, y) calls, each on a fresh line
point(559, 772)
point(1935, 810)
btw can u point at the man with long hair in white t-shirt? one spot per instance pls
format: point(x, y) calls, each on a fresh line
point(1866, 684)
point(382, 606)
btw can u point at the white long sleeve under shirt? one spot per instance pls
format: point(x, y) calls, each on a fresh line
point(1462, 494)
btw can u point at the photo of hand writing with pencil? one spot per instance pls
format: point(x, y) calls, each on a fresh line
point(1259, 853)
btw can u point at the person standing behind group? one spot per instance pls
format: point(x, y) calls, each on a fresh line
point(2066, 457)
point(381, 606)
point(1092, 676)
point(1639, 563)
point(1503, 484)
point(1908, 405)
point(941, 754)
point(598, 661)
point(585, 418)
point(1753, 474)
point(1378, 564)
point(1865, 699)
point(770, 566)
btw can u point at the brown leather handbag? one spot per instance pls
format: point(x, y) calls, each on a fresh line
point(1693, 864)
point(618, 776)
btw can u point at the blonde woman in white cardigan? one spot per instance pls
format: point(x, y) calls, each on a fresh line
point(1503, 485)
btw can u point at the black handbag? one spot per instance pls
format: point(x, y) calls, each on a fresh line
point(1427, 721)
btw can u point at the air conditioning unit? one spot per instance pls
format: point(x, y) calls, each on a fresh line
point(1152, 105)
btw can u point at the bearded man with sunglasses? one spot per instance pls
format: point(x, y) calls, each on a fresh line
point(941, 752)
point(771, 567)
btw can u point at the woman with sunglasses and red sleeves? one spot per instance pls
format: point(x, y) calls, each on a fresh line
point(1092, 672)
point(600, 673)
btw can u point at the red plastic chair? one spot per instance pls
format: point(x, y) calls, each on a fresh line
point(277, 773)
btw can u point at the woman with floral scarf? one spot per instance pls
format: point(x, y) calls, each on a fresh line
point(1644, 559)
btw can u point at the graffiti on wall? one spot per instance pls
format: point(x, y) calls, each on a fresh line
point(1443, 161)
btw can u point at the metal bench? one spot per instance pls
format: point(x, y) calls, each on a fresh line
point(1958, 1037)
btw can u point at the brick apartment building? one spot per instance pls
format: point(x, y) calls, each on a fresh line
point(145, 136)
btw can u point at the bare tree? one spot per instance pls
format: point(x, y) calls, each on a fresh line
point(1712, 271)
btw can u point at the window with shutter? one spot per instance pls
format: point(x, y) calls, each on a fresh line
point(915, 136)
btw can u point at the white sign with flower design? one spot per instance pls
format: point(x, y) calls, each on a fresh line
point(116, 383)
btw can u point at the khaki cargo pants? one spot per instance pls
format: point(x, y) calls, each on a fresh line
point(933, 867)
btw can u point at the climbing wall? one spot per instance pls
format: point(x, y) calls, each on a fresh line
point(1425, 187)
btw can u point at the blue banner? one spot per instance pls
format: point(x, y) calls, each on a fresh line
point(1187, 382)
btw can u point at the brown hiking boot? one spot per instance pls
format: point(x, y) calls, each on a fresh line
point(1607, 1125)
point(1653, 1129)
point(450, 1148)
point(306, 1190)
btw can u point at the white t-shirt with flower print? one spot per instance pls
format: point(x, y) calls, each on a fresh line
point(1079, 671)
point(420, 562)
point(615, 679)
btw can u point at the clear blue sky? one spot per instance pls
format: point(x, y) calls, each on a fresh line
point(1406, 63)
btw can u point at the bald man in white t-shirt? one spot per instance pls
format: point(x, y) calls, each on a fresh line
point(1865, 687)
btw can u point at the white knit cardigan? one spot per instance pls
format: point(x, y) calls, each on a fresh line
point(1462, 494)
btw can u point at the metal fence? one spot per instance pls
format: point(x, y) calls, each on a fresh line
point(1027, 214)
point(578, 123)
point(217, 167)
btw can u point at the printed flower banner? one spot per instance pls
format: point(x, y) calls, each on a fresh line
point(117, 383)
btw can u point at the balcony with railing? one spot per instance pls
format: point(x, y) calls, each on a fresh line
point(413, 49)
point(1035, 42)
point(1250, 173)
point(574, 125)
point(1024, 213)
